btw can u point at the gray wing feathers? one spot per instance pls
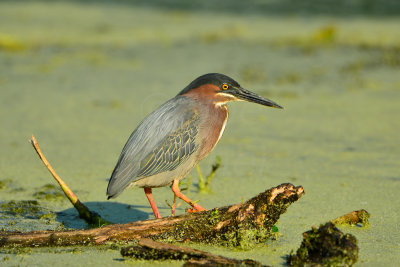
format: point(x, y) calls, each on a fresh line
point(174, 149)
point(160, 143)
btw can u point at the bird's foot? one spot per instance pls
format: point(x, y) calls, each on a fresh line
point(195, 208)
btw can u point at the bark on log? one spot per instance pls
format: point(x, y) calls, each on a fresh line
point(148, 249)
point(241, 225)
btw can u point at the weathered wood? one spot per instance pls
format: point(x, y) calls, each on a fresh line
point(148, 249)
point(353, 218)
point(242, 225)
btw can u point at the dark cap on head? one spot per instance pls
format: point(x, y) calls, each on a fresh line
point(210, 78)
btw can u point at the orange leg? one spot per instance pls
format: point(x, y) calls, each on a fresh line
point(173, 207)
point(178, 193)
point(147, 191)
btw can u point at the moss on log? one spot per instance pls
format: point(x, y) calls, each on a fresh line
point(360, 217)
point(241, 225)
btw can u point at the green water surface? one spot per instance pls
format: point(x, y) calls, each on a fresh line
point(80, 75)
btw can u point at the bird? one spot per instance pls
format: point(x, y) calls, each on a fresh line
point(171, 140)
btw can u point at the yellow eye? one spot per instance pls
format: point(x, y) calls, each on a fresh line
point(225, 86)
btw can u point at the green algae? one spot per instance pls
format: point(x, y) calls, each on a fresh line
point(4, 184)
point(27, 208)
point(231, 32)
point(49, 192)
point(10, 43)
point(328, 110)
point(322, 38)
point(252, 74)
point(380, 57)
point(52, 250)
point(17, 214)
point(240, 226)
point(243, 236)
point(8, 185)
point(359, 218)
point(110, 104)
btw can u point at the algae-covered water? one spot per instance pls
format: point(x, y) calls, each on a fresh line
point(80, 75)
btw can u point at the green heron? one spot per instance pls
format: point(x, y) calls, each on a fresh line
point(169, 142)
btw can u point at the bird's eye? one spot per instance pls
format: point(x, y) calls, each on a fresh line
point(224, 86)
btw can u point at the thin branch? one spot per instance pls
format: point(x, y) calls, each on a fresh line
point(67, 191)
point(205, 183)
point(92, 218)
point(214, 168)
point(202, 183)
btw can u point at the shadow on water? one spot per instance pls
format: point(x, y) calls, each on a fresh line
point(111, 211)
point(30, 215)
point(343, 8)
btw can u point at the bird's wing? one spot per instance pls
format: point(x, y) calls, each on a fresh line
point(160, 143)
point(173, 150)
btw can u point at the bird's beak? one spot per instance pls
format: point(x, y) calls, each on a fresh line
point(248, 96)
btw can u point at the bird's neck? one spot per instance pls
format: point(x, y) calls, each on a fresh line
point(215, 122)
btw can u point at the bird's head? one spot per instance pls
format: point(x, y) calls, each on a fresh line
point(219, 89)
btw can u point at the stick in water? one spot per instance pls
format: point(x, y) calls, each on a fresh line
point(92, 218)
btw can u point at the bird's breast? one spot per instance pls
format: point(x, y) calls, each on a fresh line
point(212, 127)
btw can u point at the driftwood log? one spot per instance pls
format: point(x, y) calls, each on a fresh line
point(148, 249)
point(353, 218)
point(241, 225)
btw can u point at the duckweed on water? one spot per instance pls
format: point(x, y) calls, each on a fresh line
point(49, 192)
point(387, 57)
point(252, 74)
point(25, 208)
point(18, 215)
point(54, 250)
point(325, 36)
point(231, 32)
point(107, 104)
point(10, 185)
point(10, 44)
point(4, 184)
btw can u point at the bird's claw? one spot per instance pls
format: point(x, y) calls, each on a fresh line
point(193, 210)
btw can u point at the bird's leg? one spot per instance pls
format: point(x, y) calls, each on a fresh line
point(147, 191)
point(178, 193)
point(173, 206)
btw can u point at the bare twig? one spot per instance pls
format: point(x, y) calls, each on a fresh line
point(204, 183)
point(214, 168)
point(92, 218)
